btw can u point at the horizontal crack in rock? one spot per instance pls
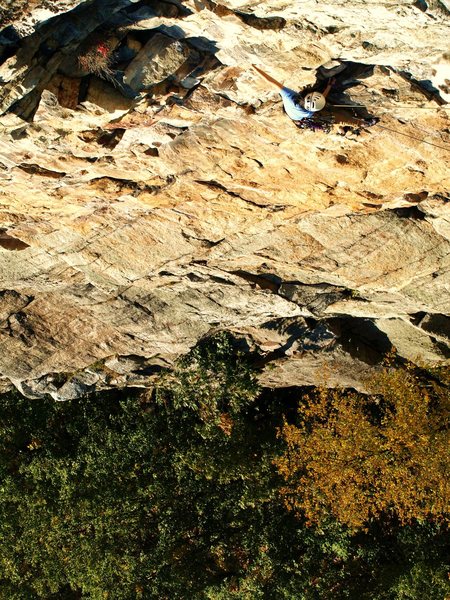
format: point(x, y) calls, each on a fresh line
point(211, 183)
point(34, 169)
point(265, 282)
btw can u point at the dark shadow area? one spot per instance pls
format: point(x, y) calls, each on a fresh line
point(9, 42)
point(416, 197)
point(346, 75)
point(9, 242)
point(410, 212)
point(361, 339)
point(81, 54)
point(424, 86)
point(437, 324)
point(262, 23)
point(262, 281)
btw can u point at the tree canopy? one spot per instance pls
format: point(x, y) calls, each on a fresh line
point(177, 494)
point(359, 458)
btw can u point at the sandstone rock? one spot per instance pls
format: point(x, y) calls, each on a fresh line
point(27, 14)
point(441, 76)
point(146, 224)
point(160, 57)
point(417, 346)
point(338, 369)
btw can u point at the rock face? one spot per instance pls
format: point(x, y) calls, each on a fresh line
point(163, 195)
point(161, 56)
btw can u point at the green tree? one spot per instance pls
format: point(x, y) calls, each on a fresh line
point(173, 495)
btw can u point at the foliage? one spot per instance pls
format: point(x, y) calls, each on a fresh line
point(97, 58)
point(174, 495)
point(128, 497)
point(360, 458)
point(213, 382)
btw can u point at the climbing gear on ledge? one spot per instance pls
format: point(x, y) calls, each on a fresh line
point(316, 124)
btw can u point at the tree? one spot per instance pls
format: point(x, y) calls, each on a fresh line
point(360, 458)
point(173, 495)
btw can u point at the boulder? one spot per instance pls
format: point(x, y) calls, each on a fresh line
point(158, 59)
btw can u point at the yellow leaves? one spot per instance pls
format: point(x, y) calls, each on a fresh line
point(341, 459)
point(226, 423)
point(34, 444)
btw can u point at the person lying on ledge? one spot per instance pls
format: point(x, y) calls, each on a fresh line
point(302, 107)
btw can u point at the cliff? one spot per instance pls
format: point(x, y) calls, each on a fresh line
point(154, 192)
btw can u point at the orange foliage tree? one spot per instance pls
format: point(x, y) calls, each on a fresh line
point(356, 458)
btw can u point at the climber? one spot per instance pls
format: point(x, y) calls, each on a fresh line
point(302, 108)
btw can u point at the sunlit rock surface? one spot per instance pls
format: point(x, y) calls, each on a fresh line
point(170, 197)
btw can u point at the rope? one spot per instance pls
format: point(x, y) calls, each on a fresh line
point(428, 132)
point(447, 148)
point(391, 107)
